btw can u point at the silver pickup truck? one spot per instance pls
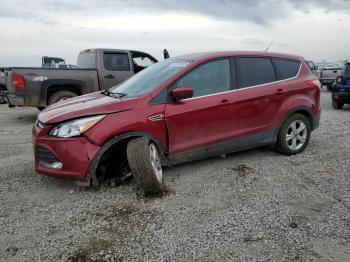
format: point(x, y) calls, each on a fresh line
point(329, 74)
point(97, 69)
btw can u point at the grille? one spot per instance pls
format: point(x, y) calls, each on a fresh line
point(45, 155)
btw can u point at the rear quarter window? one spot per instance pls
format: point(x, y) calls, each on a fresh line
point(253, 71)
point(285, 68)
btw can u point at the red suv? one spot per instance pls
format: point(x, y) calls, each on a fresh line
point(178, 110)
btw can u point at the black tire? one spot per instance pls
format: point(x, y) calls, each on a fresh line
point(139, 158)
point(282, 146)
point(337, 105)
point(60, 95)
point(329, 87)
point(2, 98)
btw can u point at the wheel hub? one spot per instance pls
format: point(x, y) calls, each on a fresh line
point(296, 135)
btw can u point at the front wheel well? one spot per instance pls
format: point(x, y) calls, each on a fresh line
point(111, 161)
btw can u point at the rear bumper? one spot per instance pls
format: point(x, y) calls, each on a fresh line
point(343, 97)
point(15, 100)
point(63, 157)
point(341, 93)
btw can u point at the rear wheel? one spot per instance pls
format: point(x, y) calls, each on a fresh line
point(294, 135)
point(60, 96)
point(145, 165)
point(337, 105)
point(329, 87)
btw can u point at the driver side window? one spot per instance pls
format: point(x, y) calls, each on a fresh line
point(207, 79)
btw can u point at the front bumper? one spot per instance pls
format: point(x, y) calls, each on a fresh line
point(74, 155)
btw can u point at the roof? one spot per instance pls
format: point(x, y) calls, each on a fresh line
point(212, 55)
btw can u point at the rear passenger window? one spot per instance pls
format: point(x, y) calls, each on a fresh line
point(254, 71)
point(116, 62)
point(286, 68)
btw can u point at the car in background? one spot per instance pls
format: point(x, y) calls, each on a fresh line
point(3, 88)
point(55, 62)
point(341, 88)
point(181, 109)
point(314, 68)
point(98, 69)
point(329, 74)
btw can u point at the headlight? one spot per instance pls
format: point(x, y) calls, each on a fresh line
point(75, 127)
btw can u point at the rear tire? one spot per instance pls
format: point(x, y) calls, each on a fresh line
point(337, 105)
point(60, 96)
point(145, 165)
point(294, 135)
point(329, 87)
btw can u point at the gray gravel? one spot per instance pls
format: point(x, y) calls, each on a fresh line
point(252, 206)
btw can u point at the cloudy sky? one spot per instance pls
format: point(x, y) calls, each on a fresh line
point(315, 29)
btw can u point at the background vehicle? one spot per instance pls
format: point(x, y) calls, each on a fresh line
point(341, 89)
point(181, 109)
point(328, 75)
point(3, 88)
point(314, 68)
point(98, 69)
point(55, 62)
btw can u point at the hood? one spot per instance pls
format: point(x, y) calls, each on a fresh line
point(91, 104)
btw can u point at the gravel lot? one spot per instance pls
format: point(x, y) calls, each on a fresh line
point(252, 206)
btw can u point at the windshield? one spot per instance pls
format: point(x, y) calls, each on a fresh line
point(151, 78)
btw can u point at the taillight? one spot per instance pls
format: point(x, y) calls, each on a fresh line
point(313, 83)
point(339, 79)
point(18, 82)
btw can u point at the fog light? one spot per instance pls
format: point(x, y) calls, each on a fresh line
point(53, 165)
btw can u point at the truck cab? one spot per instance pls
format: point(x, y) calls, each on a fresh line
point(114, 66)
point(97, 69)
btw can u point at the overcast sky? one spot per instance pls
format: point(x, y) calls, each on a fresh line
point(315, 29)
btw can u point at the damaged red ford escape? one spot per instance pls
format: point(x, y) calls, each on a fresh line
point(178, 110)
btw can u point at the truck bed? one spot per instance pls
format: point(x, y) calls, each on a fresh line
point(38, 82)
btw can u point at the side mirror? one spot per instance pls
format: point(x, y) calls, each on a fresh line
point(181, 93)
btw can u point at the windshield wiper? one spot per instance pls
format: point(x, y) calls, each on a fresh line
point(113, 94)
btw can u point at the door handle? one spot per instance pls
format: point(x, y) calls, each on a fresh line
point(279, 91)
point(109, 76)
point(223, 101)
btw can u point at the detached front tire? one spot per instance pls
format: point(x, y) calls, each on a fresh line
point(294, 135)
point(145, 165)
